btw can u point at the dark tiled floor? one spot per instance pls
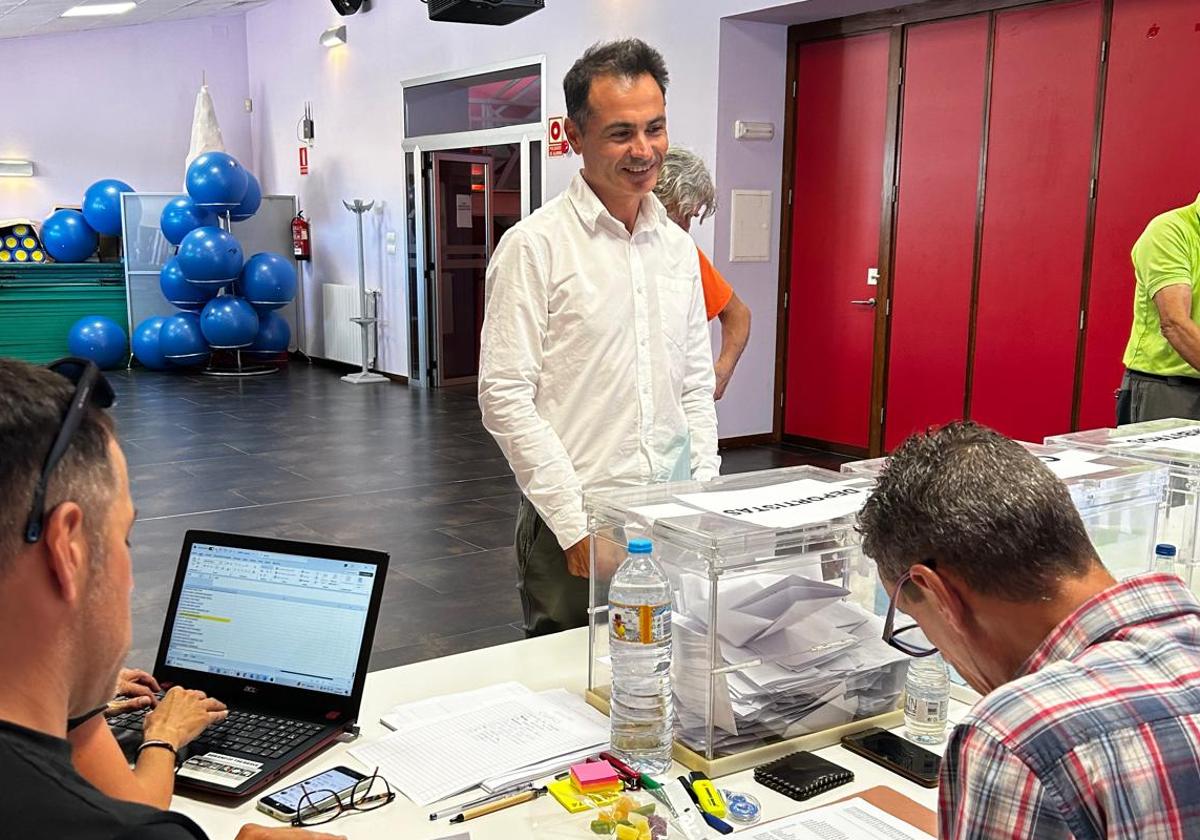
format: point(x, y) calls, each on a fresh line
point(303, 455)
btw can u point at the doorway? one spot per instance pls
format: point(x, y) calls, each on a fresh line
point(471, 197)
point(473, 171)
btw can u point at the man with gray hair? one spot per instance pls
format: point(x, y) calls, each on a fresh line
point(686, 190)
point(1089, 724)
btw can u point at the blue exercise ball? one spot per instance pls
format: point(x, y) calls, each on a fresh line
point(216, 180)
point(248, 206)
point(229, 321)
point(209, 255)
point(181, 341)
point(179, 292)
point(268, 281)
point(181, 216)
point(274, 334)
point(146, 347)
point(98, 338)
point(102, 205)
point(68, 237)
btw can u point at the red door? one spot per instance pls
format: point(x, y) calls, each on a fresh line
point(841, 117)
point(945, 68)
point(1044, 77)
point(1148, 164)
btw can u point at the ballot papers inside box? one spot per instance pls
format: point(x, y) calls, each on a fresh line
point(776, 622)
point(1119, 498)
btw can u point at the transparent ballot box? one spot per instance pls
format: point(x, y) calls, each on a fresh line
point(1117, 497)
point(1175, 445)
point(777, 640)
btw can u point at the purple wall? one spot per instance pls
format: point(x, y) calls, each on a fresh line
point(355, 91)
point(753, 61)
point(116, 103)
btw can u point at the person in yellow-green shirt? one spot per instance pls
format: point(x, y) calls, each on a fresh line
point(1162, 358)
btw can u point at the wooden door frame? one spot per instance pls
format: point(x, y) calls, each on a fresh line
point(896, 20)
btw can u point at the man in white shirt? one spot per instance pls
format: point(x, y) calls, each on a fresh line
point(595, 369)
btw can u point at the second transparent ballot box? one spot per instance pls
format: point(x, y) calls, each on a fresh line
point(776, 632)
point(1175, 445)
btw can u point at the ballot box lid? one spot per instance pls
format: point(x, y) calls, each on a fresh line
point(1173, 441)
point(735, 517)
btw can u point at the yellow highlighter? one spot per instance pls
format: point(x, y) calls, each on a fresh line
point(708, 795)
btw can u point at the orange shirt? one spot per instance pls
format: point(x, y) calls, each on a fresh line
point(717, 292)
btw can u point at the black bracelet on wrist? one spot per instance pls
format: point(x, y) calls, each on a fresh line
point(166, 745)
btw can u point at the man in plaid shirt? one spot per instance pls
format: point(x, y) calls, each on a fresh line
point(1090, 726)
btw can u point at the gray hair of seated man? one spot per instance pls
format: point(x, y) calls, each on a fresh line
point(684, 186)
point(33, 402)
point(981, 505)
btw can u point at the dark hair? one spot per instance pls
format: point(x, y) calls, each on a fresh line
point(628, 59)
point(981, 505)
point(33, 401)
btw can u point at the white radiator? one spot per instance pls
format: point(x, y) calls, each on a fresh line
point(342, 337)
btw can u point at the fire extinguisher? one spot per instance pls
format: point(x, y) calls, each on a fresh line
point(301, 244)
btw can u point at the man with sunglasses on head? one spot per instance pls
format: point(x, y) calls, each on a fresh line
point(65, 582)
point(1090, 723)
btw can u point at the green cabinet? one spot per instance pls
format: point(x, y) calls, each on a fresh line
point(39, 303)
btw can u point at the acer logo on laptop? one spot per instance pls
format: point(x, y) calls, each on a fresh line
point(250, 689)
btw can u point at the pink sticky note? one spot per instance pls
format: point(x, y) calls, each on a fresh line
point(594, 773)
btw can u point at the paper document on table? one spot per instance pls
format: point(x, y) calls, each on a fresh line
point(424, 711)
point(787, 505)
point(576, 705)
point(430, 761)
point(853, 819)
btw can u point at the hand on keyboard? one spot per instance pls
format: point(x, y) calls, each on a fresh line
point(181, 716)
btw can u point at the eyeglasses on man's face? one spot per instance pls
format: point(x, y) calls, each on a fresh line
point(907, 639)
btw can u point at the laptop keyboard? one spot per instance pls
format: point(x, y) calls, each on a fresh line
point(246, 732)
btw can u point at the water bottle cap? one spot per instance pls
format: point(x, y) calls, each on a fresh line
point(641, 546)
point(1164, 550)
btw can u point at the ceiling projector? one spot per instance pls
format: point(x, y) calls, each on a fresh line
point(491, 12)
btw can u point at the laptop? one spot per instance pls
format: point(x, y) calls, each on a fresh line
point(281, 632)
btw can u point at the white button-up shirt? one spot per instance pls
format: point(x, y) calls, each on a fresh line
point(595, 368)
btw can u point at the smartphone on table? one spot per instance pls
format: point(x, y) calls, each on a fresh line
point(285, 804)
point(896, 754)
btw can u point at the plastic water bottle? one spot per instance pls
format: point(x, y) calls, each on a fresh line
point(639, 636)
point(926, 699)
point(1164, 559)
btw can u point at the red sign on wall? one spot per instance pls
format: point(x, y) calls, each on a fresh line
point(304, 160)
point(557, 144)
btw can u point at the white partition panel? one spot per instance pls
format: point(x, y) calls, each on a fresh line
point(147, 251)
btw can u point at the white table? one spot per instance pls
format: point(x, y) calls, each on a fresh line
point(557, 661)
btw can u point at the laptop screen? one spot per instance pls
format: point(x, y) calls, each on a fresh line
point(264, 616)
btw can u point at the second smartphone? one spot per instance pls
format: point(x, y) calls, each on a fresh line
point(896, 754)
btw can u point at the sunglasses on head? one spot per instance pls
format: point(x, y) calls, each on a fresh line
point(91, 389)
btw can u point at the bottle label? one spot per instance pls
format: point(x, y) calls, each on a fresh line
point(645, 624)
point(926, 711)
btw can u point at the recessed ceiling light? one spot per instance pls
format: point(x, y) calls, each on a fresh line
point(99, 9)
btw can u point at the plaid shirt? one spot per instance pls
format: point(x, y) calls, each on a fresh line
point(1099, 734)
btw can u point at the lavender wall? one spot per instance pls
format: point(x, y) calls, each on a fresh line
point(116, 103)
point(753, 77)
point(357, 106)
